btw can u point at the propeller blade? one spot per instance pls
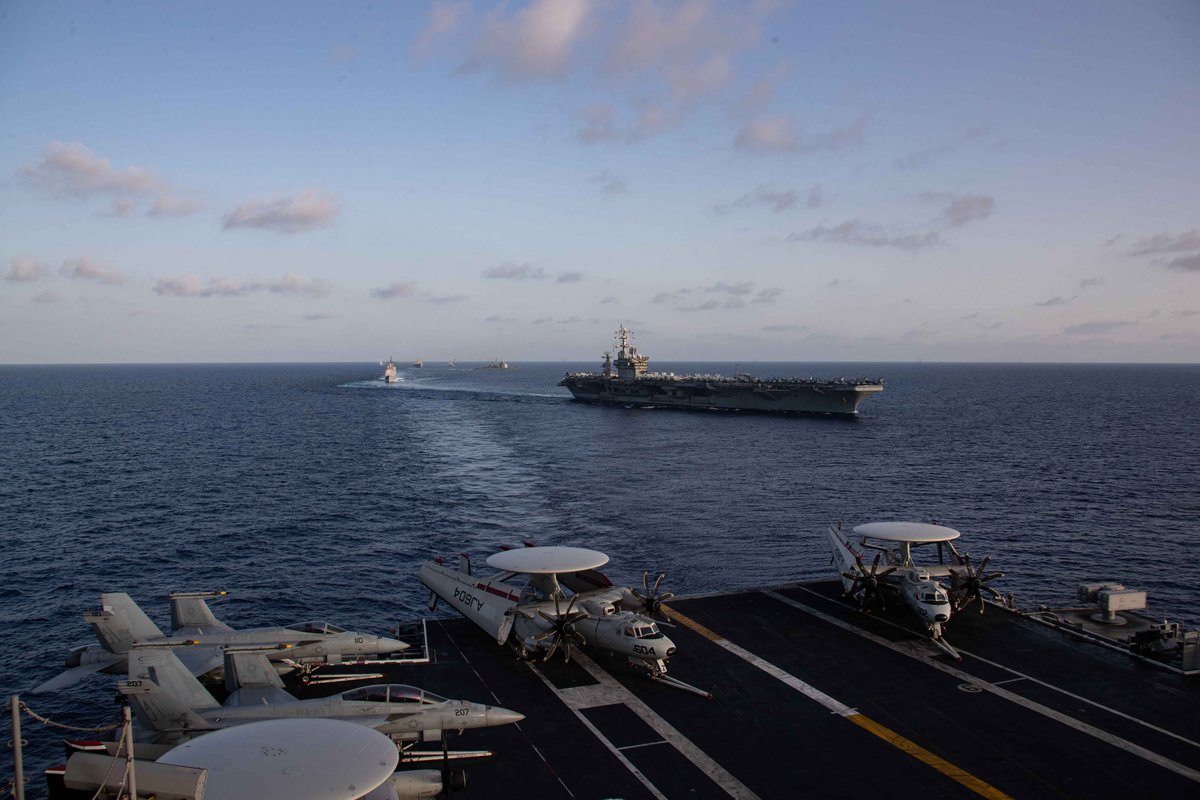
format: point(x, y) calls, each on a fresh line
point(875, 563)
point(992, 576)
point(886, 572)
point(546, 616)
point(983, 565)
point(646, 581)
point(658, 581)
point(553, 647)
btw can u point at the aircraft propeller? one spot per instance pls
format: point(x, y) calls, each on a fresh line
point(652, 600)
point(866, 583)
point(966, 588)
point(562, 629)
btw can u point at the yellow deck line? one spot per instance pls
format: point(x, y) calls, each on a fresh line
point(907, 746)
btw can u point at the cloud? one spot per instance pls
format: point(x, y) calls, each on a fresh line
point(784, 328)
point(88, 270)
point(319, 317)
point(47, 296)
point(778, 135)
point(961, 208)
point(1185, 263)
point(69, 169)
point(24, 270)
point(1055, 301)
point(935, 153)
point(776, 200)
point(402, 289)
point(444, 19)
point(190, 286)
point(510, 271)
point(494, 319)
point(1089, 282)
point(1098, 326)
point(610, 183)
point(569, 277)
point(309, 209)
point(1187, 313)
point(967, 208)
point(609, 301)
point(572, 320)
point(737, 294)
point(442, 299)
point(168, 205)
point(1165, 243)
point(858, 232)
point(533, 43)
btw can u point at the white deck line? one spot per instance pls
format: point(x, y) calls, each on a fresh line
point(1022, 676)
point(609, 692)
point(1038, 708)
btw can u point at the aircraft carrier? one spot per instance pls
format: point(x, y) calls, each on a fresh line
point(812, 698)
point(624, 381)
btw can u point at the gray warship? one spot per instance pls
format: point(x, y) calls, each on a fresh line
point(624, 381)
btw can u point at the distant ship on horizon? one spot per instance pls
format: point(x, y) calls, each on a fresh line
point(624, 381)
point(389, 372)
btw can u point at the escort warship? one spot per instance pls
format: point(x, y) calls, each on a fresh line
point(624, 381)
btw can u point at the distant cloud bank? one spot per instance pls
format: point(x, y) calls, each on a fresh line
point(70, 169)
point(191, 286)
point(304, 211)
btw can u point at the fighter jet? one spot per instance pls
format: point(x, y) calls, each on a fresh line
point(121, 625)
point(171, 705)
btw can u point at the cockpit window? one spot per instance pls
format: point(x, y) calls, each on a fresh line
point(315, 627)
point(392, 693)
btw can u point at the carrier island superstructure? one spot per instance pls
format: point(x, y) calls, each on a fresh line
point(624, 381)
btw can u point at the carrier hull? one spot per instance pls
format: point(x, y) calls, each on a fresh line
point(781, 397)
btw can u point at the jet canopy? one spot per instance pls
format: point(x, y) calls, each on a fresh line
point(393, 693)
point(315, 627)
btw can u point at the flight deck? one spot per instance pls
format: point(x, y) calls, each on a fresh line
point(812, 698)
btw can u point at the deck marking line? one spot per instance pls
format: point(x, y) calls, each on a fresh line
point(925, 653)
point(615, 692)
point(906, 746)
point(1012, 697)
point(612, 748)
point(643, 744)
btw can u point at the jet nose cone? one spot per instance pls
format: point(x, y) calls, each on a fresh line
point(387, 645)
point(502, 716)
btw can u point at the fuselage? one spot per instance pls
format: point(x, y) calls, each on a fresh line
point(510, 612)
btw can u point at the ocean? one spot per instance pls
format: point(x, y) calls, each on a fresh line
point(314, 491)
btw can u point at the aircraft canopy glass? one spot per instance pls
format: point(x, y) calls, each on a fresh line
point(316, 627)
point(392, 693)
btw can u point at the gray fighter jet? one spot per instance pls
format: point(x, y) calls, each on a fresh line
point(173, 706)
point(121, 625)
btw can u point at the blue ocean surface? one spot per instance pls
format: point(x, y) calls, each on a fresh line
point(315, 490)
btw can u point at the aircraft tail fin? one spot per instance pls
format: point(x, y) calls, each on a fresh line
point(191, 610)
point(163, 668)
point(164, 695)
point(249, 669)
point(120, 623)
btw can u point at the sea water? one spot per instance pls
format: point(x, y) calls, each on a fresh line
point(315, 490)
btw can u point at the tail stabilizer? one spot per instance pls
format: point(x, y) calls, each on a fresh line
point(190, 610)
point(163, 668)
point(160, 711)
point(249, 669)
point(120, 623)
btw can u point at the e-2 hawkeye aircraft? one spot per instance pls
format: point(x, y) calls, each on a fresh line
point(916, 584)
point(563, 603)
point(173, 706)
point(121, 625)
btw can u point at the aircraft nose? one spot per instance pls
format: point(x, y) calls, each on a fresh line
point(387, 645)
point(941, 617)
point(501, 716)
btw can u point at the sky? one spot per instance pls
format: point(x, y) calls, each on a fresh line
point(788, 181)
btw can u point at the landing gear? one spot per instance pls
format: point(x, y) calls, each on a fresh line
point(935, 636)
point(657, 671)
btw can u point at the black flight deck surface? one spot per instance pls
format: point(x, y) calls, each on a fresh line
point(812, 698)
